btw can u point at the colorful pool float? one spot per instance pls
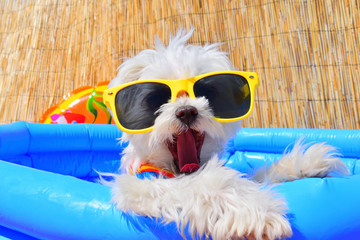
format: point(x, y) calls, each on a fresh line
point(83, 105)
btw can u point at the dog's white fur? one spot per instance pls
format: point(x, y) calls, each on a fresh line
point(215, 200)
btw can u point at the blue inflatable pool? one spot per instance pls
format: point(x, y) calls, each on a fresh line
point(48, 186)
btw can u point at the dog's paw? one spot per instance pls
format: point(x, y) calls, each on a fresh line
point(139, 196)
point(318, 160)
point(258, 220)
point(276, 227)
point(228, 206)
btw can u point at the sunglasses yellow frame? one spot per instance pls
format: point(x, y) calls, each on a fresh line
point(177, 87)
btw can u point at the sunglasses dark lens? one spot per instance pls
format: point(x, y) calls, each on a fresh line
point(228, 94)
point(136, 104)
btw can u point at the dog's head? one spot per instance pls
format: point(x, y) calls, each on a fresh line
point(169, 126)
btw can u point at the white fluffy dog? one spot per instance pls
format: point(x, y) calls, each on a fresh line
point(209, 198)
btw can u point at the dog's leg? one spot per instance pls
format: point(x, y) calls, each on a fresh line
point(216, 201)
point(319, 160)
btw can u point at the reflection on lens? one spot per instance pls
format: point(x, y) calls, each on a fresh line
point(136, 104)
point(228, 94)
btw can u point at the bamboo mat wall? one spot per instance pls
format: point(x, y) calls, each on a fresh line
point(306, 53)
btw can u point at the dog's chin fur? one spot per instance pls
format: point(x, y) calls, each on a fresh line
point(215, 200)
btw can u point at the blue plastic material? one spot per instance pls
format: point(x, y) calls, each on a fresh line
point(44, 193)
point(78, 150)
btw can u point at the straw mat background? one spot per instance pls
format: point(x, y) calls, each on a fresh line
point(306, 53)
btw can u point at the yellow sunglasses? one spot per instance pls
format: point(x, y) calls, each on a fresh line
point(135, 105)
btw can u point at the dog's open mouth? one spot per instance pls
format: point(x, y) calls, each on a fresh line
point(185, 149)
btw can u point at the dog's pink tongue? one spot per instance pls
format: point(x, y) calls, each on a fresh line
point(187, 152)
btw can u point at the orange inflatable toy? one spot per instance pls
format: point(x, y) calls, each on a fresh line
point(83, 105)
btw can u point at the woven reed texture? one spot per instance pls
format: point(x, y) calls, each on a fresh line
point(306, 53)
